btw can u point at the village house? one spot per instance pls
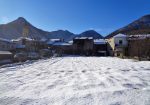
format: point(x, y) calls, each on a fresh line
point(89, 46)
point(5, 57)
point(28, 44)
point(50, 42)
point(117, 45)
point(83, 45)
point(79, 46)
point(59, 46)
point(139, 46)
point(6, 45)
point(100, 47)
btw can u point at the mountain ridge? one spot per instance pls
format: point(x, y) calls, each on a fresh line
point(14, 30)
point(139, 26)
point(91, 33)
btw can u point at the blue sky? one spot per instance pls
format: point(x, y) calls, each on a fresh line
point(76, 16)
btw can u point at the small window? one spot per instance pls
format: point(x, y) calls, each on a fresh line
point(120, 42)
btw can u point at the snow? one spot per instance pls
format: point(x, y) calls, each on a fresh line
point(144, 36)
point(5, 52)
point(70, 42)
point(99, 41)
point(50, 42)
point(43, 39)
point(83, 38)
point(76, 81)
point(61, 44)
point(55, 40)
point(21, 38)
point(6, 40)
point(120, 36)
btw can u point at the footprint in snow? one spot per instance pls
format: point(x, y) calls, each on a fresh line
point(134, 86)
point(147, 69)
point(83, 71)
point(51, 86)
point(128, 85)
point(125, 70)
point(116, 103)
point(102, 84)
point(111, 81)
point(118, 93)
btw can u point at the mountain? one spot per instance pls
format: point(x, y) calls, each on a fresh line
point(91, 33)
point(14, 30)
point(140, 26)
point(61, 34)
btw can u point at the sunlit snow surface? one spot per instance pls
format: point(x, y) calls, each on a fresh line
point(76, 81)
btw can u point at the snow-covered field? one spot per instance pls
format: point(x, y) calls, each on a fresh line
point(76, 81)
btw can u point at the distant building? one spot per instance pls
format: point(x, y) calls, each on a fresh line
point(5, 57)
point(6, 45)
point(28, 44)
point(50, 42)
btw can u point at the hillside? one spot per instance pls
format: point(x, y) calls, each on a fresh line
point(91, 33)
point(140, 26)
point(14, 30)
point(61, 34)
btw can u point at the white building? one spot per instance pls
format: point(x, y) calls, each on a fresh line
point(117, 44)
point(120, 40)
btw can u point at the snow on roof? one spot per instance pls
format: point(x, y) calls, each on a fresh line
point(5, 40)
point(61, 44)
point(71, 42)
point(5, 52)
point(43, 39)
point(18, 39)
point(50, 42)
point(120, 36)
point(54, 40)
point(140, 36)
point(99, 41)
point(83, 38)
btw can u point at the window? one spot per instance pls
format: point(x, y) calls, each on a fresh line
point(120, 42)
